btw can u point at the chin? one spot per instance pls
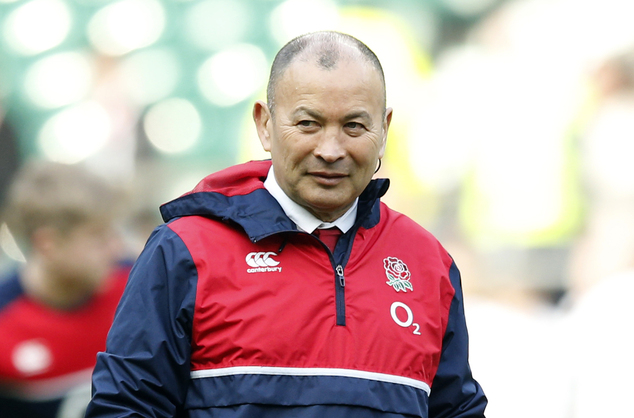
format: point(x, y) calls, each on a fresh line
point(337, 208)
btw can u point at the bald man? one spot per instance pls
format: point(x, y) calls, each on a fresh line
point(286, 288)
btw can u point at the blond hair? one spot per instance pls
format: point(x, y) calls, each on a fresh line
point(48, 194)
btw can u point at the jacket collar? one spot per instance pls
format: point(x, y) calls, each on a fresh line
point(237, 195)
point(305, 220)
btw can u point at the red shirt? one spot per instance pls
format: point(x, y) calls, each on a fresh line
point(47, 353)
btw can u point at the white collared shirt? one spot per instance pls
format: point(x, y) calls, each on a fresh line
point(305, 220)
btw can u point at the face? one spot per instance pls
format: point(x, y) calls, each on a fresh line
point(328, 133)
point(83, 257)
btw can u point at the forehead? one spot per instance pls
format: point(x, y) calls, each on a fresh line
point(348, 81)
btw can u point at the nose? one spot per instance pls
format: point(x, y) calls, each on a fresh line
point(330, 146)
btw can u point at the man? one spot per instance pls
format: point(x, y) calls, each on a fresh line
point(238, 307)
point(56, 310)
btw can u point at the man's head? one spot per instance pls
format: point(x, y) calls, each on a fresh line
point(326, 47)
point(326, 122)
point(62, 215)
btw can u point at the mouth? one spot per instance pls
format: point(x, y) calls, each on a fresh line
point(327, 178)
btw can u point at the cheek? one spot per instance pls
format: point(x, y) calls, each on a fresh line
point(98, 253)
point(365, 169)
point(291, 159)
point(366, 152)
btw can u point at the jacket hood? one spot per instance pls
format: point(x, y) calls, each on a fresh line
point(237, 194)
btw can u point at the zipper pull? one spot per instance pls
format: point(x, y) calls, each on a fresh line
point(339, 271)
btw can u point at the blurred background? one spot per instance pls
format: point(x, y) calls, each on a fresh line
point(512, 141)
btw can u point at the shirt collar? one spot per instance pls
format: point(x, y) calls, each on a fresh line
point(305, 220)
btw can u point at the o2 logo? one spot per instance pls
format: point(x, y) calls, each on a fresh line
point(410, 317)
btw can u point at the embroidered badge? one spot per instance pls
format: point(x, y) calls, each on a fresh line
point(398, 273)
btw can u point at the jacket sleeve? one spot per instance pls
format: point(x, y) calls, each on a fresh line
point(145, 369)
point(455, 393)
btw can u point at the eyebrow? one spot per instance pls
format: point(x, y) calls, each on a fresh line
point(309, 112)
point(358, 114)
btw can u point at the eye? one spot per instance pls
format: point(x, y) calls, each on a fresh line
point(354, 128)
point(308, 125)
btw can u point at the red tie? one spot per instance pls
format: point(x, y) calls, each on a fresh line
point(329, 236)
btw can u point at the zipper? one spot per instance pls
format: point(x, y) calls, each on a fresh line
point(342, 279)
point(340, 295)
point(340, 285)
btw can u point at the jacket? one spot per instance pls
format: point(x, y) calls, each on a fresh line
point(231, 311)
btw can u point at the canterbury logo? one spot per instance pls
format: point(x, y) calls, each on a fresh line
point(262, 262)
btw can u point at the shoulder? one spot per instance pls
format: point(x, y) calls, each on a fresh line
point(192, 223)
point(10, 290)
point(404, 230)
point(400, 220)
point(173, 234)
point(202, 230)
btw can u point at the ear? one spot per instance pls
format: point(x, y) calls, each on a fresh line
point(263, 120)
point(386, 127)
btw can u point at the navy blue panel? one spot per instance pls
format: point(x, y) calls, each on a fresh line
point(369, 205)
point(147, 360)
point(311, 411)
point(454, 392)
point(10, 290)
point(258, 213)
point(228, 391)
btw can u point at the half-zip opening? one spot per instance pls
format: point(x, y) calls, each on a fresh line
point(340, 295)
point(340, 281)
point(338, 266)
point(339, 259)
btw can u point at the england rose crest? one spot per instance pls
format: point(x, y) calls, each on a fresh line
point(398, 274)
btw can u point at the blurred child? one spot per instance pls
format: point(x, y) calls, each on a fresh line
point(56, 309)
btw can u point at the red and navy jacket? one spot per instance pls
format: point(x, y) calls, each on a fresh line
point(47, 355)
point(231, 311)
